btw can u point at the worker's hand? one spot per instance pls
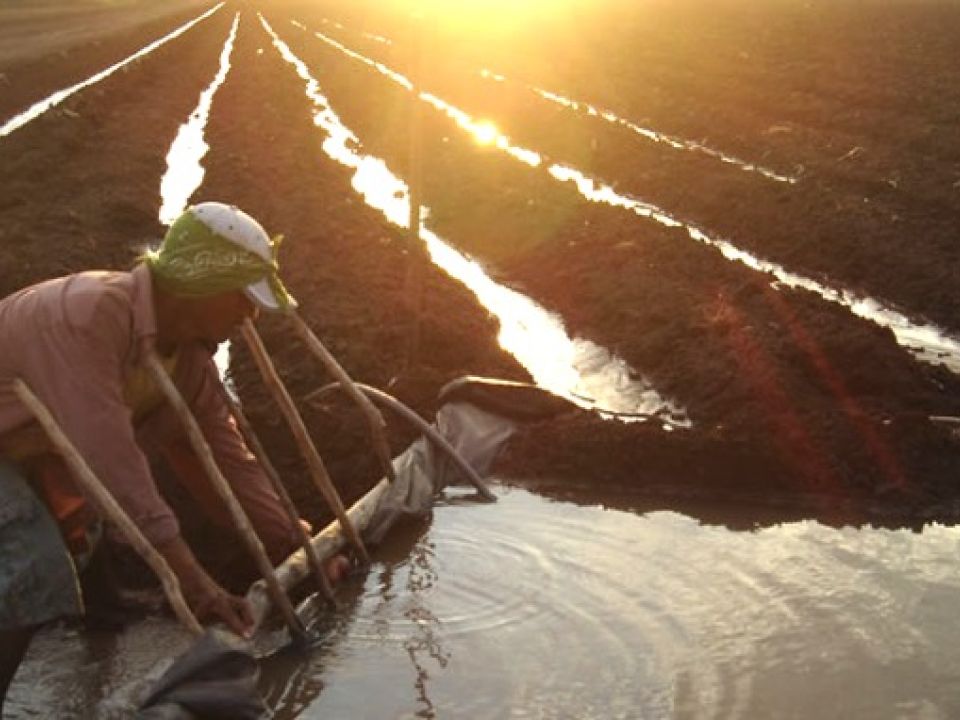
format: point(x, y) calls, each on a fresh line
point(234, 611)
point(337, 567)
point(207, 599)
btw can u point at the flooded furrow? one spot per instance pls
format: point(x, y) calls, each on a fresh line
point(184, 169)
point(672, 141)
point(927, 342)
point(574, 368)
point(654, 136)
point(38, 108)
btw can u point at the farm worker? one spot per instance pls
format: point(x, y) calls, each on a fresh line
point(79, 343)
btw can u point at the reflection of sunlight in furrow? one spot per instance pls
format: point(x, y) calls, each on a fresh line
point(490, 75)
point(380, 67)
point(927, 342)
point(654, 136)
point(184, 171)
point(580, 106)
point(58, 97)
point(534, 336)
point(378, 38)
point(480, 129)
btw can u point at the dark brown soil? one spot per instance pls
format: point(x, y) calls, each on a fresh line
point(799, 409)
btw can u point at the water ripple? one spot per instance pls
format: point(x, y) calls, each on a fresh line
point(538, 609)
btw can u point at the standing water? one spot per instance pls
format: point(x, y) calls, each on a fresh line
point(530, 608)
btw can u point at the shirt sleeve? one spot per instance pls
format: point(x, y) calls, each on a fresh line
point(203, 391)
point(77, 370)
point(206, 401)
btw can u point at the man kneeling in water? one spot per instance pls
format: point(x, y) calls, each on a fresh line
point(80, 342)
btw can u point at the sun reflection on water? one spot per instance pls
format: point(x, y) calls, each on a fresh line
point(589, 375)
point(484, 132)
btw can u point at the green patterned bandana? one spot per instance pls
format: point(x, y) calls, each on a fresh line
point(194, 261)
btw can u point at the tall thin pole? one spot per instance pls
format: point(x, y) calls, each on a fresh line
point(318, 471)
point(413, 284)
point(254, 444)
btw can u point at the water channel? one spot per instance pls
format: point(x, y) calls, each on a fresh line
point(926, 341)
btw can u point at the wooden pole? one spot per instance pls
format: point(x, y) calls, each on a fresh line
point(108, 507)
point(240, 520)
point(318, 470)
point(253, 442)
point(375, 421)
point(413, 282)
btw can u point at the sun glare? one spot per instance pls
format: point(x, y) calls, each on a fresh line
point(485, 132)
point(489, 16)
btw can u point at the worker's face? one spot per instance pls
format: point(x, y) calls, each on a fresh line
point(218, 316)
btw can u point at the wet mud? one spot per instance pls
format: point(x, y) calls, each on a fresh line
point(798, 408)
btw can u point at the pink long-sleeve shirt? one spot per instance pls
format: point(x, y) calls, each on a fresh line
point(75, 341)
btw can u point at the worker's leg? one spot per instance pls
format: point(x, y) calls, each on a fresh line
point(38, 581)
point(13, 646)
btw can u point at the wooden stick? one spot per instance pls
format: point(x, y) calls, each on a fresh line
point(253, 442)
point(430, 432)
point(375, 420)
point(240, 520)
point(318, 470)
point(294, 569)
point(945, 419)
point(108, 507)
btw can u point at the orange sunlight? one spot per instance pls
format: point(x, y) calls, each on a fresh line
point(491, 16)
point(484, 132)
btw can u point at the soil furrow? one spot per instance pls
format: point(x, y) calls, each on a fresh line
point(775, 379)
point(799, 408)
point(85, 177)
point(29, 74)
point(848, 222)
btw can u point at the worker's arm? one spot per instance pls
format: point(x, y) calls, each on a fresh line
point(204, 392)
point(76, 368)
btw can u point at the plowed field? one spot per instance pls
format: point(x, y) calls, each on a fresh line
point(838, 127)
